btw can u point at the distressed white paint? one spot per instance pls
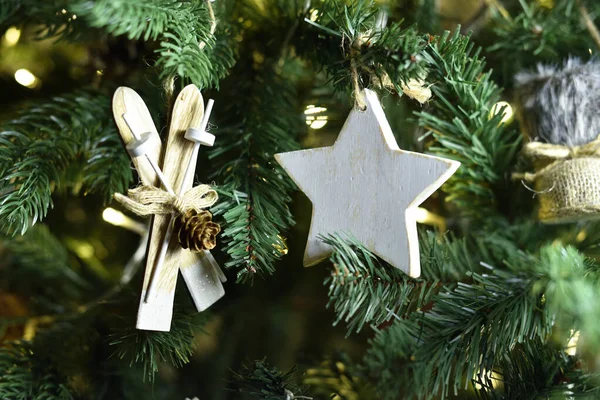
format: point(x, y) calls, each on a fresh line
point(366, 186)
point(200, 271)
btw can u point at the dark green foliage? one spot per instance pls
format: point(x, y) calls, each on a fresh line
point(262, 381)
point(48, 366)
point(23, 377)
point(459, 119)
point(150, 348)
point(37, 264)
point(391, 363)
point(365, 290)
point(472, 327)
point(188, 48)
point(538, 371)
point(460, 323)
point(255, 193)
point(426, 16)
point(354, 41)
point(37, 147)
point(107, 168)
point(338, 377)
point(539, 34)
point(7, 9)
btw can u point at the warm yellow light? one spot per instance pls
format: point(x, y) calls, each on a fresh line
point(84, 250)
point(318, 123)
point(12, 36)
point(314, 110)
point(549, 4)
point(117, 218)
point(493, 377)
point(421, 215)
point(507, 110)
point(26, 78)
point(572, 345)
point(314, 14)
point(114, 217)
point(424, 216)
point(315, 122)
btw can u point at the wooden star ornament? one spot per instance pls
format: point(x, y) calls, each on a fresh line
point(366, 186)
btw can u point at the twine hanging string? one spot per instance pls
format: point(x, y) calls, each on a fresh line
point(414, 88)
point(213, 21)
point(358, 97)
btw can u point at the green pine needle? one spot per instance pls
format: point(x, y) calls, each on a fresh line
point(37, 264)
point(472, 327)
point(23, 377)
point(149, 348)
point(262, 381)
point(38, 146)
point(459, 118)
point(365, 290)
point(187, 48)
point(254, 193)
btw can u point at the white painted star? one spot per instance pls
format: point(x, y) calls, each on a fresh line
point(366, 186)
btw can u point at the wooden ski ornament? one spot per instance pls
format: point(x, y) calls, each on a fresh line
point(200, 271)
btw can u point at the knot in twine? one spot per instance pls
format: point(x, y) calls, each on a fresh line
point(195, 229)
point(146, 200)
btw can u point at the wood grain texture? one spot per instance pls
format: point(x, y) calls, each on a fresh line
point(366, 186)
point(126, 100)
point(200, 271)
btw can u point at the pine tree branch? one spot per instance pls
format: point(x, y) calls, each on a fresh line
point(150, 348)
point(459, 118)
point(262, 381)
point(8, 8)
point(38, 265)
point(540, 34)
point(108, 167)
point(254, 194)
point(365, 290)
point(185, 31)
point(472, 327)
point(23, 377)
point(385, 57)
point(537, 370)
point(38, 146)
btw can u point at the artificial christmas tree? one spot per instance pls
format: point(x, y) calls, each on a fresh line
point(505, 307)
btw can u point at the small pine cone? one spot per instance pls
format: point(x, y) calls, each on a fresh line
point(196, 230)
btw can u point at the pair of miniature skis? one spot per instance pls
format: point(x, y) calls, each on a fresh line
point(170, 169)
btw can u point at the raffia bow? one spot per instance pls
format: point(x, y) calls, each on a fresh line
point(547, 155)
point(566, 180)
point(147, 200)
point(559, 152)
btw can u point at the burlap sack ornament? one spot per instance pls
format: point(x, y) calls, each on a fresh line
point(558, 110)
point(567, 181)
